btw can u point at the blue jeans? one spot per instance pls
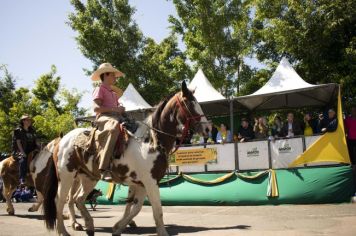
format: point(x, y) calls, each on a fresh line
point(23, 168)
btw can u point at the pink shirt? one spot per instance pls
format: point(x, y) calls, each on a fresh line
point(350, 124)
point(107, 96)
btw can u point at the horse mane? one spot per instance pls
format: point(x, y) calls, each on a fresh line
point(157, 113)
point(153, 121)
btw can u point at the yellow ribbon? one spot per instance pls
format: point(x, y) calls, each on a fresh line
point(272, 188)
point(110, 191)
point(215, 181)
point(259, 174)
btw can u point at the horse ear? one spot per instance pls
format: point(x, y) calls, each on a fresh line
point(185, 89)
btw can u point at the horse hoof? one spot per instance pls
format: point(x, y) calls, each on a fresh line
point(133, 225)
point(31, 209)
point(90, 232)
point(65, 217)
point(11, 213)
point(77, 227)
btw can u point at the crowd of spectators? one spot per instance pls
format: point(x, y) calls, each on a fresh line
point(23, 194)
point(261, 129)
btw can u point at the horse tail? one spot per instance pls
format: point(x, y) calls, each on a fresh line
point(50, 193)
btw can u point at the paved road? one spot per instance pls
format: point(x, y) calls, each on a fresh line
point(251, 220)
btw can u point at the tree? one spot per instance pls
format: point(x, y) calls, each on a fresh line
point(162, 69)
point(7, 88)
point(46, 88)
point(107, 33)
point(319, 37)
point(217, 36)
point(53, 109)
point(50, 123)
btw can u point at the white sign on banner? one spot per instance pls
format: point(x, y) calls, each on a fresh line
point(285, 151)
point(191, 168)
point(225, 157)
point(309, 140)
point(253, 155)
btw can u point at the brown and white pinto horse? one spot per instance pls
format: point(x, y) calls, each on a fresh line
point(142, 165)
point(38, 166)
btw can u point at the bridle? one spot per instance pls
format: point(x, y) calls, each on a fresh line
point(188, 115)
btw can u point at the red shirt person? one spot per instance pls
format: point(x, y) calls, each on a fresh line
point(350, 125)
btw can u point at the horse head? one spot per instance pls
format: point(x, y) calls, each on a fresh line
point(189, 112)
point(176, 115)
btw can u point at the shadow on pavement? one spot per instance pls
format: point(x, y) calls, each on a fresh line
point(35, 217)
point(173, 229)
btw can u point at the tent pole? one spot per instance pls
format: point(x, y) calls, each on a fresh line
point(232, 117)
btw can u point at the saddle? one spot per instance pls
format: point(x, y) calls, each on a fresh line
point(122, 141)
point(88, 141)
point(16, 156)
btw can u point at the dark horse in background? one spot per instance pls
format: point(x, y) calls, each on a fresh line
point(38, 168)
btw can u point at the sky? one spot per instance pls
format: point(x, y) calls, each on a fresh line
point(34, 35)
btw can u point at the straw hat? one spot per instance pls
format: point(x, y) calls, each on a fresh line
point(105, 68)
point(25, 116)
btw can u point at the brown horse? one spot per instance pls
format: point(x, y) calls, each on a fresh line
point(38, 167)
point(142, 165)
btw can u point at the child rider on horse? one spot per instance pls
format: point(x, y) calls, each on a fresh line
point(108, 110)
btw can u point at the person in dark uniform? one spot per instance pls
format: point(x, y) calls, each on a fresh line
point(212, 132)
point(332, 122)
point(245, 132)
point(23, 143)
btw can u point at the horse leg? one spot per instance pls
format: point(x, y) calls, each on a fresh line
point(129, 203)
point(63, 189)
point(7, 193)
point(154, 198)
point(137, 202)
point(36, 205)
point(87, 185)
point(75, 225)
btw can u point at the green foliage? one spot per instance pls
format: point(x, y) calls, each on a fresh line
point(107, 33)
point(318, 36)
point(7, 88)
point(52, 109)
point(47, 87)
point(162, 68)
point(256, 79)
point(69, 100)
point(51, 123)
point(217, 36)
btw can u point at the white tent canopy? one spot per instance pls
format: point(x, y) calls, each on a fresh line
point(132, 100)
point(204, 91)
point(286, 89)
